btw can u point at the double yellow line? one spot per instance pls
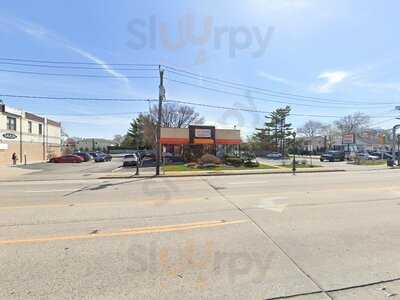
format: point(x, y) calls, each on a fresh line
point(125, 232)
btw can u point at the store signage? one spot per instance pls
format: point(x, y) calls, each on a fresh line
point(202, 133)
point(348, 139)
point(199, 134)
point(10, 136)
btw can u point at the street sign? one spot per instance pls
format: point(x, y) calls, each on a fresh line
point(348, 139)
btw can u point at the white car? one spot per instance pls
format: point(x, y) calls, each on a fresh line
point(367, 156)
point(130, 160)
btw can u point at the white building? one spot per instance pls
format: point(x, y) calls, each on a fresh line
point(31, 137)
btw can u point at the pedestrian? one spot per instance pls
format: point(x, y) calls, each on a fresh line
point(14, 158)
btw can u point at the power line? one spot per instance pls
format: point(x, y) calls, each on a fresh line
point(78, 98)
point(76, 75)
point(258, 98)
point(75, 67)
point(90, 115)
point(171, 101)
point(257, 111)
point(73, 62)
point(192, 75)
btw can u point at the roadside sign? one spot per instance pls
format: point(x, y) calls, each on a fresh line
point(348, 139)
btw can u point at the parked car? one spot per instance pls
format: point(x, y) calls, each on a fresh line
point(274, 155)
point(95, 154)
point(150, 154)
point(332, 156)
point(382, 154)
point(102, 157)
point(130, 160)
point(85, 155)
point(67, 159)
point(366, 156)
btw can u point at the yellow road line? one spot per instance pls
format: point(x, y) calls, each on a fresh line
point(142, 230)
point(174, 226)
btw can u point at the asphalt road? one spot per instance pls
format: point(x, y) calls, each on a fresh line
point(90, 169)
point(317, 236)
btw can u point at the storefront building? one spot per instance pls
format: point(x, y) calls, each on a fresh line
point(31, 137)
point(197, 140)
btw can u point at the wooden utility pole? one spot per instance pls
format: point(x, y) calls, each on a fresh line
point(160, 99)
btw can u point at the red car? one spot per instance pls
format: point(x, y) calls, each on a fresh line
point(67, 159)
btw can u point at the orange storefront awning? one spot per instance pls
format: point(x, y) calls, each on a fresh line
point(174, 141)
point(227, 142)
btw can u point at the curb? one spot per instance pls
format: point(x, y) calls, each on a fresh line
point(221, 174)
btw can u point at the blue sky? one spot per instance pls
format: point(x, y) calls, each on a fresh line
point(345, 50)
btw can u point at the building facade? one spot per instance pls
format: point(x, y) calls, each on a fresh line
point(198, 140)
point(31, 137)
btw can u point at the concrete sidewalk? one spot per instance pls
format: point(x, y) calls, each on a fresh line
point(12, 172)
point(217, 173)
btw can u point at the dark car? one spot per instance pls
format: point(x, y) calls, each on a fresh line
point(332, 156)
point(95, 154)
point(85, 156)
point(102, 157)
point(67, 159)
point(274, 155)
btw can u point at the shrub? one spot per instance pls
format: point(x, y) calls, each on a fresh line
point(209, 159)
point(251, 164)
point(233, 160)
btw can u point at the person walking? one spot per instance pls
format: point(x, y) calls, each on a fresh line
point(14, 158)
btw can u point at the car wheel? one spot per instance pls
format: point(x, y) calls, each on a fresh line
point(332, 160)
point(321, 159)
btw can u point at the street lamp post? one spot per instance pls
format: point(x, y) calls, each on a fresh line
point(294, 154)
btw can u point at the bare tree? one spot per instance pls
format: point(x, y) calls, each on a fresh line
point(174, 115)
point(311, 128)
point(352, 123)
point(118, 139)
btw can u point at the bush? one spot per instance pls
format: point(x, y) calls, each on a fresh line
point(209, 159)
point(251, 164)
point(233, 160)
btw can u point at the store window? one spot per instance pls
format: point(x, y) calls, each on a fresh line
point(11, 123)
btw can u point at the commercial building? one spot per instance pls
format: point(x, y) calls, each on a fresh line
point(197, 140)
point(31, 137)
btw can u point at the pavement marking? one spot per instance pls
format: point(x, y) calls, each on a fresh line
point(51, 191)
point(133, 231)
point(105, 204)
point(247, 182)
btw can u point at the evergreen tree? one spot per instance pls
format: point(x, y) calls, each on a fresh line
point(276, 130)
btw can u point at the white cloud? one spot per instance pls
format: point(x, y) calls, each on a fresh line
point(330, 80)
point(273, 77)
point(39, 32)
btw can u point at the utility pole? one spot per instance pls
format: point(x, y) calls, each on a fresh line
point(160, 99)
point(294, 154)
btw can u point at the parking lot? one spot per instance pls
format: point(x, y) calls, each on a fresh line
point(81, 170)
